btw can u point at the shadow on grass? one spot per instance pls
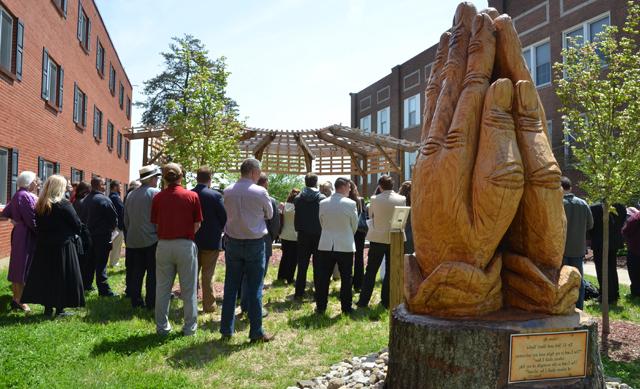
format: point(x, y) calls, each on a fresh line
point(132, 344)
point(240, 324)
point(200, 354)
point(313, 321)
point(112, 309)
point(374, 313)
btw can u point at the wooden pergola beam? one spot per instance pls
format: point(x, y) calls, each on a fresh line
point(309, 156)
point(388, 158)
point(340, 143)
point(354, 159)
point(258, 150)
point(146, 134)
point(373, 139)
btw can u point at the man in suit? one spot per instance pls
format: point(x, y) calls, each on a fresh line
point(102, 220)
point(208, 237)
point(307, 224)
point(379, 237)
point(339, 220)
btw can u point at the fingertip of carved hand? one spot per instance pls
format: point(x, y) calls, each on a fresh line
point(526, 96)
point(502, 93)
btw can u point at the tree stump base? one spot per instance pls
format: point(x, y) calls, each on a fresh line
point(427, 352)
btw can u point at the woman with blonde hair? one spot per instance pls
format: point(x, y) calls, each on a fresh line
point(21, 211)
point(54, 279)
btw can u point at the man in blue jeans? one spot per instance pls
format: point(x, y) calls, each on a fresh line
point(579, 221)
point(248, 206)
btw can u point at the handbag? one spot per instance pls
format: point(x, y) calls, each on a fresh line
point(362, 221)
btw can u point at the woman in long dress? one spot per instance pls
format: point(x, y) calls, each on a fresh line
point(54, 279)
point(21, 211)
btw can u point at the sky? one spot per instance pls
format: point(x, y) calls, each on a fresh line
point(293, 63)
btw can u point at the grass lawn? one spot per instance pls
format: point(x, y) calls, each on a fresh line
point(108, 344)
point(627, 309)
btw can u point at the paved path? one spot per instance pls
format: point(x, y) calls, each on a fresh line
point(623, 275)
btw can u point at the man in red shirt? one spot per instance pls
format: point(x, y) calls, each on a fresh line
point(177, 214)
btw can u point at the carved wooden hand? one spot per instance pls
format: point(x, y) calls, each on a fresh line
point(486, 165)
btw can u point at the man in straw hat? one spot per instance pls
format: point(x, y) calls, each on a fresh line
point(141, 239)
point(177, 214)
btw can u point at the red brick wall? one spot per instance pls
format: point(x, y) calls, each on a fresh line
point(26, 123)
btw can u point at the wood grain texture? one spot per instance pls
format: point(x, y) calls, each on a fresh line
point(485, 175)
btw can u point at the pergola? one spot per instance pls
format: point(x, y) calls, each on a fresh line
point(332, 150)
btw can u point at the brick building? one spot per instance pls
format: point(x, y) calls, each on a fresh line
point(393, 104)
point(64, 96)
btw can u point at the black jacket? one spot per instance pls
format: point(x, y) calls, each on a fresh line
point(214, 217)
point(615, 227)
point(119, 206)
point(100, 214)
point(307, 219)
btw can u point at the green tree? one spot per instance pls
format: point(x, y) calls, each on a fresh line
point(172, 84)
point(189, 98)
point(281, 184)
point(599, 87)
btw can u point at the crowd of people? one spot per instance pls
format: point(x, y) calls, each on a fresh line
point(584, 229)
point(66, 236)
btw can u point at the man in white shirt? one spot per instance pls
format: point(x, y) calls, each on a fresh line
point(379, 237)
point(339, 220)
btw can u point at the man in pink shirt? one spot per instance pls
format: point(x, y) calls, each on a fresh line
point(247, 206)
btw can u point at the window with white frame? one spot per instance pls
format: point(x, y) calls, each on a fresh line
point(587, 31)
point(383, 121)
point(46, 169)
point(100, 58)
point(412, 111)
point(79, 107)
point(119, 144)
point(4, 175)
point(112, 80)
point(61, 5)
point(126, 150)
point(97, 123)
point(76, 175)
point(538, 59)
point(128, 107)
point(52, 81)
point(6, 39)
point(409, 163)
point(109, 135)
point(550, 132)
point(365, 123)
point(84, 29)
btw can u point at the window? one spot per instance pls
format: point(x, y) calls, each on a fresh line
point(100, 58)
point(52, 81)
point(97, 123)
point(586, 31)
point(112, 80)
point(61, 5)
point(119, 145)
point(47, 168)
point(121, 96)
point(77, 175)
point(383, 121)
point(409, 163)
point(109, 135)
point(550, 132)
point(411, 113)
point(538, 59)
point(79, 106)
point(126, 150)
point(11, 36)
point(365, 123)
point(128, 107)
point(84, 29)
point(4, 175)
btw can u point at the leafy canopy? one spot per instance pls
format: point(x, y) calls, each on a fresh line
point(599, 87)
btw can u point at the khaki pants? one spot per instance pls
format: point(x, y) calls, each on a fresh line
point(207, 260)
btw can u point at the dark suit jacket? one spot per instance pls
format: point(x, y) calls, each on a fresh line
point(100, 214)
point(214, 217)
point(119, 206)
point(615, 227)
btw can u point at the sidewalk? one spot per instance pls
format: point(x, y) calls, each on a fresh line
point(623, 275)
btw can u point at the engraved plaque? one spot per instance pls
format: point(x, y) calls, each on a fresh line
point(549, 355)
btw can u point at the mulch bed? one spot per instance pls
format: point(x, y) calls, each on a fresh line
point(624, 340)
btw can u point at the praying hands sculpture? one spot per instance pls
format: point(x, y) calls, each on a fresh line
point(488, 218)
